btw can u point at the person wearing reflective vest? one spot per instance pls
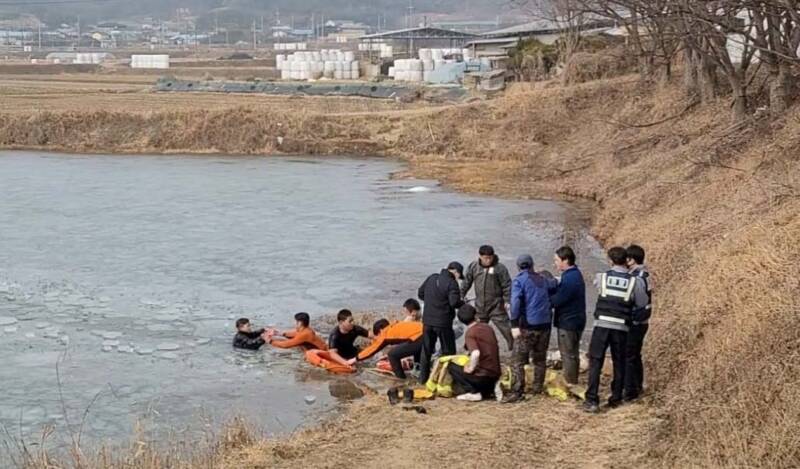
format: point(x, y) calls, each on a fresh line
point(634, 369)
point(619, 295)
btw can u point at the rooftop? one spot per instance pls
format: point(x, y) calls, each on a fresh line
point(543, 26)
point(420, 33)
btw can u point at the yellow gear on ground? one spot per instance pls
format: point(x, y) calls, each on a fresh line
point(440, 382)
point(554, 383)
point(422, 394)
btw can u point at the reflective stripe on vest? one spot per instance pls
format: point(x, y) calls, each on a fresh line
point(619, 287)
point(615, 304)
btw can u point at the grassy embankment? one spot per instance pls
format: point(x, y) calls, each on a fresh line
point(716, 206)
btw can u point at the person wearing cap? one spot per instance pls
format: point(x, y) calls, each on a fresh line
point(531, 319)
point(492, 284)
point(442, 297)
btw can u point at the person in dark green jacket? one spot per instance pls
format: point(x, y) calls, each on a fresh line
point(569, 304)
point(492, 284)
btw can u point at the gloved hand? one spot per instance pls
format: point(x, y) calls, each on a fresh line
point(515, 333)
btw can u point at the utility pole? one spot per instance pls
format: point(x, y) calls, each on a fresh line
point(40, 34)
point(255, 41)
point(79, 33)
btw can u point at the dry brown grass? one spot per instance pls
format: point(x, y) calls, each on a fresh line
point(716, 207)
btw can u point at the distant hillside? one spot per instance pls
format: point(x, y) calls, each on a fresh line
point(394, 11)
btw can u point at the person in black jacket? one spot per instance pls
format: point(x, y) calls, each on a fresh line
point(246, 338)
point(442, 296)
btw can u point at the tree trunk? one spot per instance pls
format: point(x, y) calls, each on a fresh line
point(690, 83)
point(781, 89)
point(707, 78)
point(739, 111)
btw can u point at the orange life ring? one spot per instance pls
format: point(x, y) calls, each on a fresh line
point(322, 359)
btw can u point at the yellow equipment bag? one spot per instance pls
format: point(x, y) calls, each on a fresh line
point(554, 383)
point(440, 382)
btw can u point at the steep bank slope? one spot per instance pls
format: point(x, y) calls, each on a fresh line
point(717, 208)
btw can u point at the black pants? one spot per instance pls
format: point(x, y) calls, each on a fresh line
point(634, 369)
point(401, 351)
point(431, 334)
point(471, 383)
point(603, 338)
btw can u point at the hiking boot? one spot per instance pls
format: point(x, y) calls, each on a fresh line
point(613, 404)
point(591, 408)
point(512, 398)
point(470, 397)
point(394, 396)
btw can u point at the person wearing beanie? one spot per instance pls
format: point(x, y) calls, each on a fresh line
point(479, 376)
point(442, 297)
point(531, 319)
point(492, 284)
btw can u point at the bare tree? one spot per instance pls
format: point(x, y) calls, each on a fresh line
point(723, 43)
point(566, 16)
point(777, 39)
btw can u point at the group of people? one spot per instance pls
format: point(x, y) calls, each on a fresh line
point(524, 309)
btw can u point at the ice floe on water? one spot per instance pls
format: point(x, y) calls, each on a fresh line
point(7, 321)
point(144, 351)
point(419, 189)
point(168, 347)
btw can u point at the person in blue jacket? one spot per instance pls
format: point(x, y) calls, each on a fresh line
point(531, 320)
point(569, 304)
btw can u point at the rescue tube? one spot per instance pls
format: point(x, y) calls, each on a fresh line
point(386, 367)
point(322, 359)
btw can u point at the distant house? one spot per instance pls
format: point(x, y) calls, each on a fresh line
point(343, 31)
point(493, 47)
point(103, 40)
